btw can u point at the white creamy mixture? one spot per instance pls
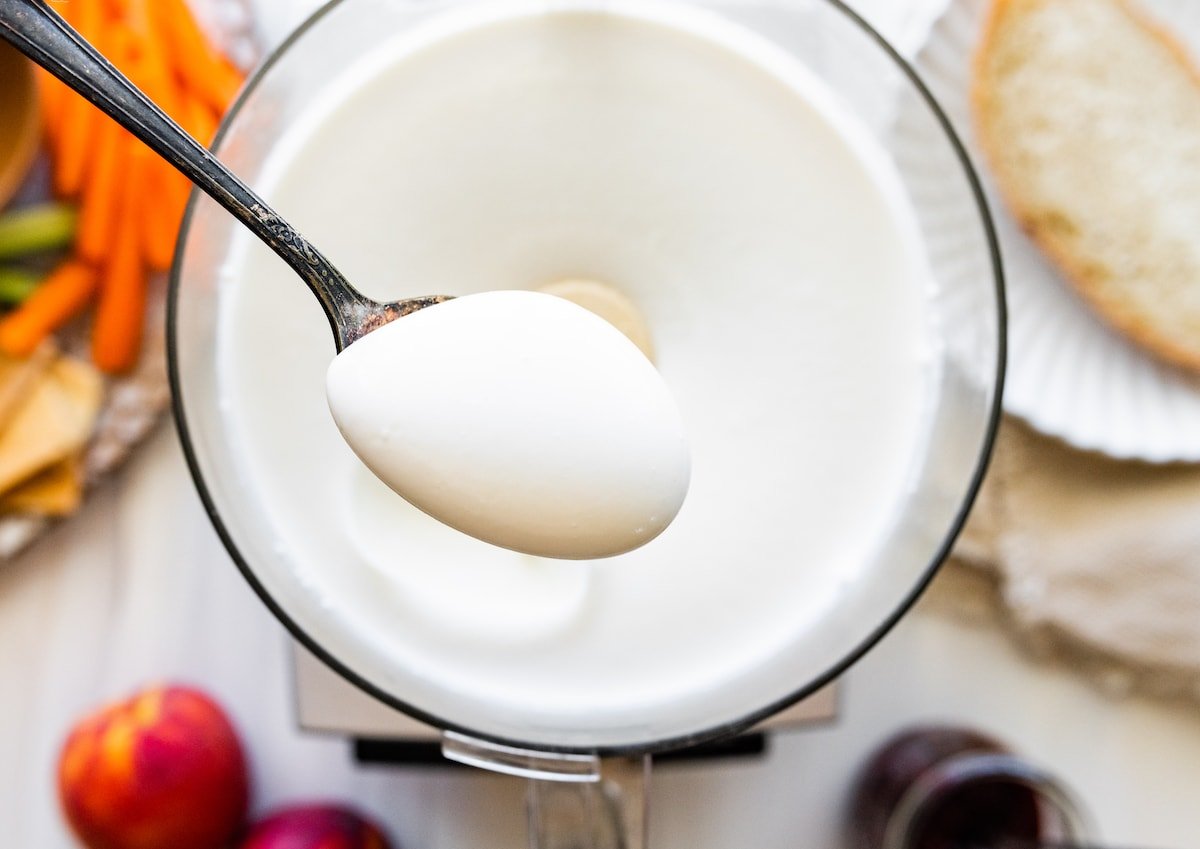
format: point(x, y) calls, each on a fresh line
point(531, 423)
point(761, 234)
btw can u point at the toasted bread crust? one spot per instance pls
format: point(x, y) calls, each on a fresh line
point(1079, 270)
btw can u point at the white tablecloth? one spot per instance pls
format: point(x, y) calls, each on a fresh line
point(138, 588)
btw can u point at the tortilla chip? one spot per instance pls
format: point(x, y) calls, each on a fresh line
point(18, 377)
point(53, 424)
point(57, 491)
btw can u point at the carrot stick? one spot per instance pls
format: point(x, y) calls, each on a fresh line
point(59, 298)
point(52, 96)
point(87, 16)
point(158, 237)
point(200, 121)
point(228, 82)
point(109, 170)
point(162, 190)
point(121, 310)
point(137, 15)
point(117, 10)
point(159, 227)
point(66, 9)
point(80, 121)
point(152, 74)
point(162, 215)
point(162, 219)
point(199, 66)
point(99, 210)
point(74, 140)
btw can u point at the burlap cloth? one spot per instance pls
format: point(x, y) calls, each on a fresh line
point(1095, 562)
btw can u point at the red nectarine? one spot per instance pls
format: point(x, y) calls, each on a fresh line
point(161, 770)
point(315, 827)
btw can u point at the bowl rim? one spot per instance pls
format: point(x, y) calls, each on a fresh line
point(736, 726)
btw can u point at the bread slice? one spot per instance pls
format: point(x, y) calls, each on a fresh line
point(1089, 116)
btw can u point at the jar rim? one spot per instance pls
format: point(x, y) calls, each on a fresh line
point(970, 767)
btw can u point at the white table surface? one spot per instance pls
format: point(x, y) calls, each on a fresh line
point(138, 588)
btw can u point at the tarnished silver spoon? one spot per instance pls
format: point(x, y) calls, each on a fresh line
point(38, 32)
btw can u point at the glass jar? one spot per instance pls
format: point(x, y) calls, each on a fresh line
point(954, 788)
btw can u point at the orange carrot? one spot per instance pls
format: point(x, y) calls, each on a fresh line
point(137, 15)
point(162, 216)
point(62, 295)
point(142, 162)
point(163, 191)
point(156, 235)
point(99, 210)
point(152, 73)
point(52, 95)
point(68, 10)
point(54, 99)
point(201, 68)
point(76, 135)
point(121, 310)
point(126, 50)
point(117, 10)
point(116, 237)
point(80, 121)
point(228, 82)
point(87, 16)
point(159, 232)
point(200, 121)
point(107, 174)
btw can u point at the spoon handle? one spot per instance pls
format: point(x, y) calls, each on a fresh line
point(43, 36)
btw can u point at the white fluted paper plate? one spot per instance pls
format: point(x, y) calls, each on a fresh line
point(1069, 374)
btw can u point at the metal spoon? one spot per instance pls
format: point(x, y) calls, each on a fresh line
point(39, 33)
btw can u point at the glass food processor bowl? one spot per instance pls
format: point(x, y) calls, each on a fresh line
point(966, 338)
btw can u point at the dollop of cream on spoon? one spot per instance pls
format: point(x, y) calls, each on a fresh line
point(518, 418)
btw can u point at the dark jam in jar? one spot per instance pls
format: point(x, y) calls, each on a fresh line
point(980, 812)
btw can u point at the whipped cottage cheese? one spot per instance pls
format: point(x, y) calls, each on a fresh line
point(519, 418)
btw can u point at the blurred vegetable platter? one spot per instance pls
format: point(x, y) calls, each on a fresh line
point(83, 255)
point(125, 204)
